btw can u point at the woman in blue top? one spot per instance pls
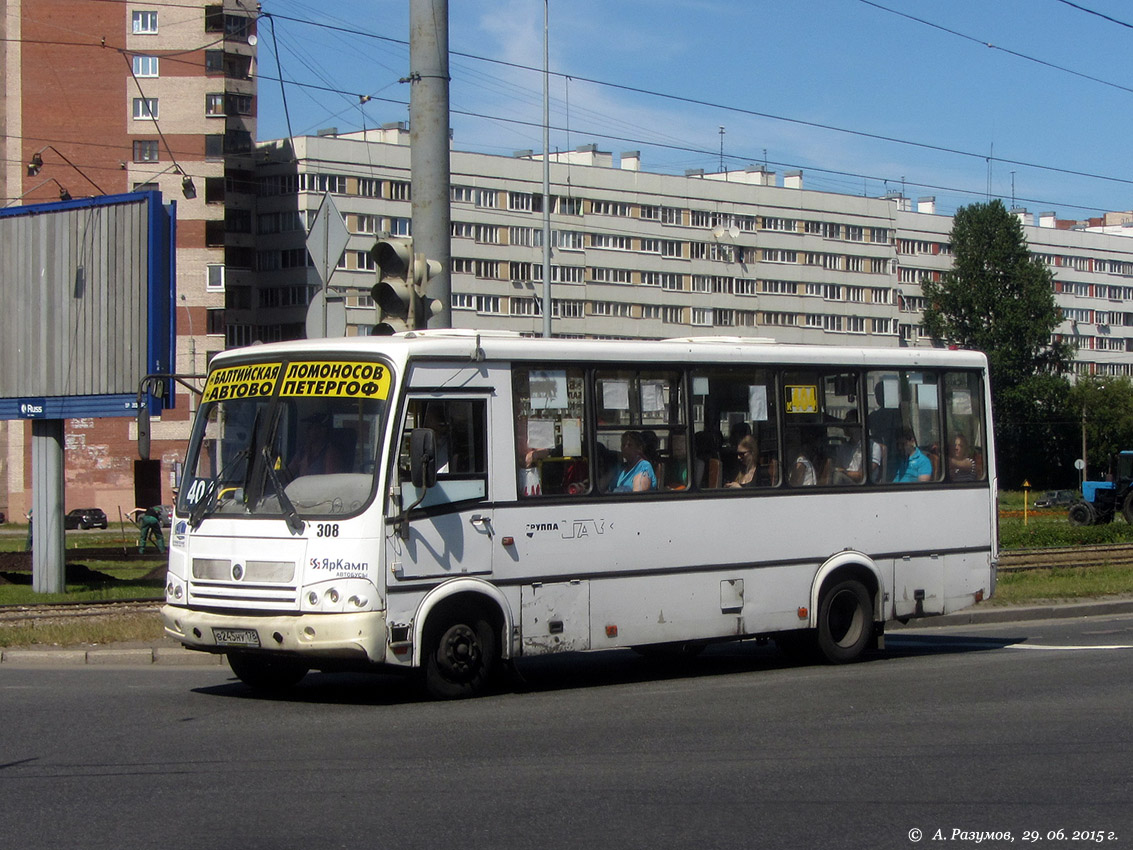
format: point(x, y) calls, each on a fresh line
point(637, 473)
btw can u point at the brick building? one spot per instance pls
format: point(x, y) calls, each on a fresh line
point(104, 98)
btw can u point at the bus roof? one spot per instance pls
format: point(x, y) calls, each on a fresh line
point(475, 346)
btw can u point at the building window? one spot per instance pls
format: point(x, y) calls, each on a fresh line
point(144, 23)
point(215, 277)
point(214, 104)
point(145, 108)
point(145, 150)
point(215, 320)
point(238, 104)
point(145, 66)
point(214, 190)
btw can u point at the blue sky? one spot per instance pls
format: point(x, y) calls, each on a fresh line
point(1053, 95)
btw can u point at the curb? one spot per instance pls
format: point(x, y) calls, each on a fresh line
point(172, 655)
point(1019, 614)
point(167, 656)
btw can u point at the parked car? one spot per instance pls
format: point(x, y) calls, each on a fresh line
point(85, 518)
point(1056, 499)
point(166, 515)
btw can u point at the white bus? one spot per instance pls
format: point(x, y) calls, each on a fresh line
point(451, 501)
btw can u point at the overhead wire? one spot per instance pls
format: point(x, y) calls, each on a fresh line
point(977, 155)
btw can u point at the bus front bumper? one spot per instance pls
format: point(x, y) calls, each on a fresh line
point(359, 637)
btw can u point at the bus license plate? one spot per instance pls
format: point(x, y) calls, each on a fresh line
point(235, 637)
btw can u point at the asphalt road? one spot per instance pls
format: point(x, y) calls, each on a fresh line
point(977, 728)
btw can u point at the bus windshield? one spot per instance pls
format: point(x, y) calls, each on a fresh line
point(293, 439)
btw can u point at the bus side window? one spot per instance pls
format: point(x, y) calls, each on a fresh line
point(641, 420)
point(963, 414)
point(735, 428)
point(461, 440)
point(552, 454)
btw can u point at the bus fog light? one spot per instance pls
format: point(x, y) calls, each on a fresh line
point(313, 598)
point(309, 632)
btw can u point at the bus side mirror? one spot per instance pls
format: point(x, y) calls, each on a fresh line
point(423, 458)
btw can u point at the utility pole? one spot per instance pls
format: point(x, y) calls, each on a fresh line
point(546, 174)
point(429, 145)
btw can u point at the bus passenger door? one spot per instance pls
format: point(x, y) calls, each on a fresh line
point(446, 529)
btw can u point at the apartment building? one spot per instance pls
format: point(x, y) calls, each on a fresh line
point(105, 98)
point(644, 255)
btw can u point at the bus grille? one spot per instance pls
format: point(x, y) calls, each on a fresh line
point(268, 585)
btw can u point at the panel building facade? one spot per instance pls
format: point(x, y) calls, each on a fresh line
point(644, 255)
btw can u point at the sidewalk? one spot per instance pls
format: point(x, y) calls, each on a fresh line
point(168, 653)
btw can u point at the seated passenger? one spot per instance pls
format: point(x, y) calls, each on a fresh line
point(913, 465)
point(676, 469)
point(961, 463)
point(636, 474)
point(802, 473)
point(746, 453)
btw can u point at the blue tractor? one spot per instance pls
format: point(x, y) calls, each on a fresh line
point(1102, 499)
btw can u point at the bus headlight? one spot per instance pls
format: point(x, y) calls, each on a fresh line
point(174, 589)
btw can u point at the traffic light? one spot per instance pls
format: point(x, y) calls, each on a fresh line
point(394, 292)
point(427, 307)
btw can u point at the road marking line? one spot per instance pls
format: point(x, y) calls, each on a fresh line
point(1064, 648)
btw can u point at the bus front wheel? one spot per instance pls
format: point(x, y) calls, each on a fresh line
point(462, 657)
point(845, 621)
point(266, 672)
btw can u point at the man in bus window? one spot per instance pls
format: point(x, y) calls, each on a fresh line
point(914, 464)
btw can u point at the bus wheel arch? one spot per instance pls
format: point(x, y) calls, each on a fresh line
point(461, 640)
point(845, 608)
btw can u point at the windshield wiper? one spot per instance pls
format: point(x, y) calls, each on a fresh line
point(294, 521)
point(197, 514)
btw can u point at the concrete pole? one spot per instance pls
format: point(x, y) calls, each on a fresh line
point(429, 145)
point(546, 173)
point(48, 573)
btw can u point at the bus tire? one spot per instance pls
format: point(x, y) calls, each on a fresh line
point(845, 621)
point(463, 656)
point(266, 672)
point(1081, 513)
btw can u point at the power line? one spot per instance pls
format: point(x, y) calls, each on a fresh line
point(754, 113)
point(1097, 14)
point(988, 44)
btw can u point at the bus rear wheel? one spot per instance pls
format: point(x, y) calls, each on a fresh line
point(266, 672)
point(462, 657)
point(845, 621)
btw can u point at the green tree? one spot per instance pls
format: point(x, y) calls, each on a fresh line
point(998, 298)
point(1104, 410)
